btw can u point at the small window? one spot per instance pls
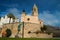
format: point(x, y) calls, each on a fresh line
point(40, 22)
point(29, 32)
point(28, 19)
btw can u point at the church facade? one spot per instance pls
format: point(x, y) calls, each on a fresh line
point(33, 18)
point(32, 24)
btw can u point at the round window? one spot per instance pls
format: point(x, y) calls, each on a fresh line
point(28, 19)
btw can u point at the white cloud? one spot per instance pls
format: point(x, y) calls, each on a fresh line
point(50, 18)
point(47, 17)
point(15, 11)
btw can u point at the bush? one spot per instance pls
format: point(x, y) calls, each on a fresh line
point(8, 33)
point(44, 28)
point(49, 33)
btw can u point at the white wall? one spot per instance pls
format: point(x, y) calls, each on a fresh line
point(5, 20)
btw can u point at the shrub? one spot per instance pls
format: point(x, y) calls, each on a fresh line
point(44, 28)
point(8, 33)
point(49, 33)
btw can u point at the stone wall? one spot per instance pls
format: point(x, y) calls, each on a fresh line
point(40, 35)
point(32, 27)
point(12, 26)
point(32, 19)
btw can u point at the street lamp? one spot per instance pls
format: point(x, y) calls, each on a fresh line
point(23, 30)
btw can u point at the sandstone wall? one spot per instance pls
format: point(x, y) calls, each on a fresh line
point(12, 26)
point(27, 27)
point(32, 19)
point(40, 35)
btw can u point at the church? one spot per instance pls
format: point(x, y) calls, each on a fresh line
point(31, 22)
point(29, 25)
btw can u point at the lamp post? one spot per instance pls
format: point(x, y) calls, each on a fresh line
point(23, 30)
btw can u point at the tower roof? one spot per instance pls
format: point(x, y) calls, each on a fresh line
point(34, 6)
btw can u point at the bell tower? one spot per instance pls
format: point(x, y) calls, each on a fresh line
point(23, 16)
point(23, 13)
point(35, 10)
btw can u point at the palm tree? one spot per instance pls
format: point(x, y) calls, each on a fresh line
point(10, 15)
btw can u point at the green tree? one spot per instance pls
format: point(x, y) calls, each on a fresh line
point(44, 28)
point(10, 15)
point(8, 33)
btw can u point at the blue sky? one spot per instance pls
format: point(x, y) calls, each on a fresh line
point(49, 10)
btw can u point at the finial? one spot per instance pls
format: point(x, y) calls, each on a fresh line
point(23, 11)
